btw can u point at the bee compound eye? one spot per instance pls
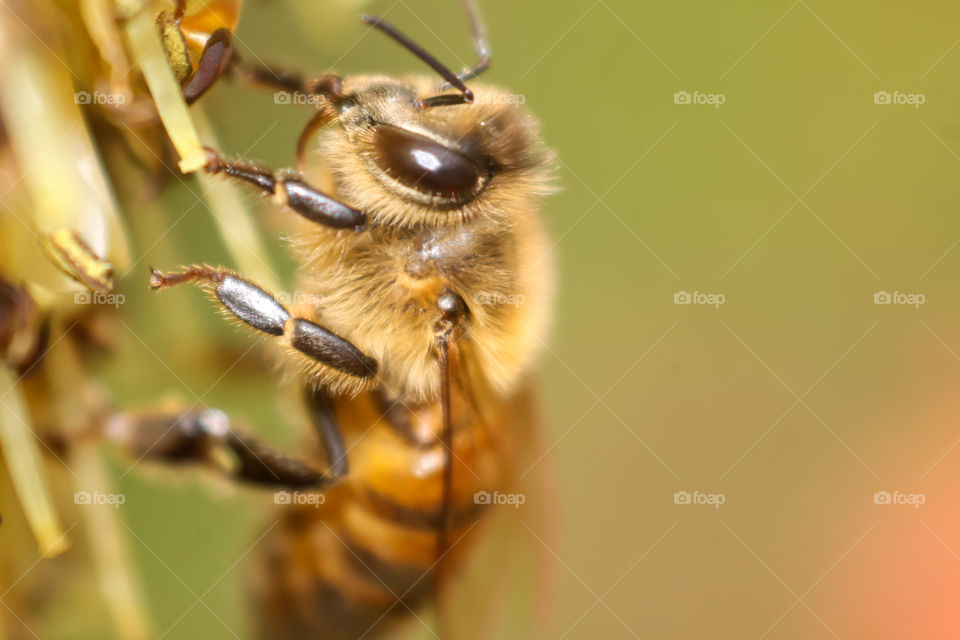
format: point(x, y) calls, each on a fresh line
point(424, 164)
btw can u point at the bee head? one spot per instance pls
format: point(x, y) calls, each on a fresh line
point(402, 163)
point(411, 152)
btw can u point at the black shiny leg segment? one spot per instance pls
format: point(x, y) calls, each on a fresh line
point(214, 61)
point(261, 310)
point(327, 428)
point(304, 199)
point(206, 437)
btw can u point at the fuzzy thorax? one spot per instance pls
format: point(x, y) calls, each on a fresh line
point(380, 288)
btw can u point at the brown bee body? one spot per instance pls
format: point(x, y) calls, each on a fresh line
point(422, 253)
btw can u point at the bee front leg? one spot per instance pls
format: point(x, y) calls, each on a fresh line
point(214, 61)
point(293, 192)
point(219, 57)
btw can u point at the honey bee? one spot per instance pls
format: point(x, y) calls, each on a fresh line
point(423, 252)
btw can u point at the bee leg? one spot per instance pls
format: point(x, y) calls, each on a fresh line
point(207, 437)
point(219, 57)
point(327, 85)
point(328, 430)
point(305, 200)
point(261, 310)
point(214, 61)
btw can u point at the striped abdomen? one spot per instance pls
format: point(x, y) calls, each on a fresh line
point(350, 566)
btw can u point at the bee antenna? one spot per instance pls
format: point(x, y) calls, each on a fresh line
point(480, 43)
point(452, 79)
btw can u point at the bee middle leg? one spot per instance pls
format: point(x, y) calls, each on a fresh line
point(204, 437)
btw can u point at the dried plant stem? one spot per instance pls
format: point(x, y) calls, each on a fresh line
point(185, 128)
point(109, 549)
point(147, 49)
point(22, 454)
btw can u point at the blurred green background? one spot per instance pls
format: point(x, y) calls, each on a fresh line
point(795, 401)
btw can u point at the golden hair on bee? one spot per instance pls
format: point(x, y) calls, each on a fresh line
point(484, 241)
